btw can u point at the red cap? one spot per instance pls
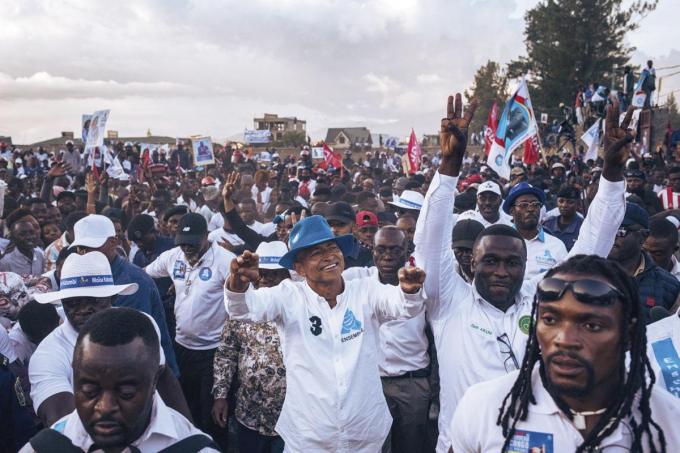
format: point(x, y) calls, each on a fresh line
point(364, 218)
point(207, 181)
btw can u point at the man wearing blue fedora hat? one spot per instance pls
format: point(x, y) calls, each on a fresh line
point(329, 328)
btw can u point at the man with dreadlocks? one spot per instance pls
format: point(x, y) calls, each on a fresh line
point(574, 391)
point(481, 328)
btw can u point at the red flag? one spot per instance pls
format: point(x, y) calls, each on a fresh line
point(332, 159)
point(414, 152)
point(531, 149)
point(491, 126)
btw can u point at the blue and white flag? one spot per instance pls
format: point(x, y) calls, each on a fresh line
point(592, 140)
point(639, 95)
point(516, 125)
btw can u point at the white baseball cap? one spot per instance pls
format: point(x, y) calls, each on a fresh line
point(409, 199)
point(93, 231)
point(270, 254)
point(489, 186)
point(87, 275)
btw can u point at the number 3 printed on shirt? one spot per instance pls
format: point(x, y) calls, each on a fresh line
point(316, 325)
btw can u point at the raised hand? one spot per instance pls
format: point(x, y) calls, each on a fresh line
point(617, 138)
point(229, 189)
point(411, 279)
point(90, 183)
point(294, 218)
point(243, 270)
point(58, 169)
point(454, 133)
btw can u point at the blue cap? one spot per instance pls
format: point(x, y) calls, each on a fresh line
point(312, 231)
point(635, 215)
point(523, 188)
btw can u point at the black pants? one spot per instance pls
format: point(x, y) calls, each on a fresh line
point(250, 441)
point(196, 379)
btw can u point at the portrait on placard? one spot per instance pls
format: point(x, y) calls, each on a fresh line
point(202, 151)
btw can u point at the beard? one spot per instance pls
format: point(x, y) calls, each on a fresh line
point(563, 390)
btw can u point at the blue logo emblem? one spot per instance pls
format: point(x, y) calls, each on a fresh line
point(350, 323)
point(499, 160)
point(205, 274)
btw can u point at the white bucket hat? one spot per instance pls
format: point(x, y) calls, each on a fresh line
point(93, 231)
point(87, 275)
point(270, 254)
point(409, 199)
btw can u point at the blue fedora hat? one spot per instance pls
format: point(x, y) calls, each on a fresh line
point(523, 188)
point(312, 231)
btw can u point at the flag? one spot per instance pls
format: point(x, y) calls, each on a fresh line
point(639, 95)
point(331, 159)
point(592, 140)
point(96, 129)
point(531, 150)
point(516, 125)
point(491, 126)
point(414, 152)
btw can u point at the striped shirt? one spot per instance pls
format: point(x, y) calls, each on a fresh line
point(669, 199)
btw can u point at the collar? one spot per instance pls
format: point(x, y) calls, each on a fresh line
point(521, 298)
point(641, 268)
point(64, 241)
point(69, 331)
point(540, 236)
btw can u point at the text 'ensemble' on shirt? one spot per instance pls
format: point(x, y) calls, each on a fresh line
point(199, 300)
point(334, 399)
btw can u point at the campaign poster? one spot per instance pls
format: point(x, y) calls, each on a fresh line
point(203, 151)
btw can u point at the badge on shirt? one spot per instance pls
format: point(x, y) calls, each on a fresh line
point(525, 324)
point(531, 442)
point(205, 273)
point(350, 325)
point(179, 270)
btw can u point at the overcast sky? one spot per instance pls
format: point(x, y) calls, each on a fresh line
point(185, 67)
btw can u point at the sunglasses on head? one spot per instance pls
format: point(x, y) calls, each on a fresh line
point(587, 291)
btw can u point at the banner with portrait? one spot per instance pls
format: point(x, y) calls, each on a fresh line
point(202, 151)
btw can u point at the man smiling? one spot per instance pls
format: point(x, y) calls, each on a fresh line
point(329, 327)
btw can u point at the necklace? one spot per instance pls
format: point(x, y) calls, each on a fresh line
point(580, 417)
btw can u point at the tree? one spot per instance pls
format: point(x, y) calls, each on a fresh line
point(571, 43)
point(293, 139)
point(490, 85)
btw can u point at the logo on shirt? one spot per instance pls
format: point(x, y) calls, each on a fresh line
point(525, 324)
point(531, 442)
point(205, 273)
point(316, 325)
point(546, 261)
point(350, 325)
point(179, 270)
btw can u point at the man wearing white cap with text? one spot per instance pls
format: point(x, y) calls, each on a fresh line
point(97, 233)
point(86, 287)
point(253, 352)
point(409, 201)
point(488, 210)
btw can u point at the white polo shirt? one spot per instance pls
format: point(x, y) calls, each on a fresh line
point(663, 344)
point(503, 218)
point(547, 428)
point(543, 253)
point(50, 371)
point(199, 299)
point(334, 399)
point(403, 343)
point(166, 427)
point(466, 328)
point(220, 235)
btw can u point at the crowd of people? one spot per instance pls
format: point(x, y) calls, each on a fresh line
point(276, 303)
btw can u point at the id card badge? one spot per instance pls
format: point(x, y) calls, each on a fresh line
point(531, 442)
point(179, 270)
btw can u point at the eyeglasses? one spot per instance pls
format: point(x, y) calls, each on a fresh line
point(587, 291)
point(529, 204)
point(506, 349)
point(623, 231)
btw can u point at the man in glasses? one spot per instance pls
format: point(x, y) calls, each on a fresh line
point(658, 287)
point(584, 382)
point(524, 203)
point(469, 320)
point(404, 362)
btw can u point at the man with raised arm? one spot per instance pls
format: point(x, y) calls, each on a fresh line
point(481, 328)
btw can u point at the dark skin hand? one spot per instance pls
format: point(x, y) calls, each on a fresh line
point(617, 141)
point(454, 133)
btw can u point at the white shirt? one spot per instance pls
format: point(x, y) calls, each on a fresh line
point(191, 205)
point(166, 427)
point(543, 253)
point(216, 222)
point(676, 267)
point(50, 371)
point(23, 347)
point(503, 218)
point(465, 326)
point(220, 235)
point(265, 196)
point(199, 300)
point(474, 428)
point(403, 343)
point(663, 344)
point(263, 229)
point(334, 399)
point(207, 213)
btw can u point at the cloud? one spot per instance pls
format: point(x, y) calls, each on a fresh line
point(210, 66)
